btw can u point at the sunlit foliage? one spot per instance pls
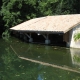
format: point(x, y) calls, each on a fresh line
point(77, 37)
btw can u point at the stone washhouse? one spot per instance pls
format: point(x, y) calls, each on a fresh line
point(51, 29)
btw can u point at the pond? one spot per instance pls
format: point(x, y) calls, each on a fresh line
point(24, 61)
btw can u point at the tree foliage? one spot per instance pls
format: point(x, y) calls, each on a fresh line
point(17, 11)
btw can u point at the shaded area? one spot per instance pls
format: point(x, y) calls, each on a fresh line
point(55, 39)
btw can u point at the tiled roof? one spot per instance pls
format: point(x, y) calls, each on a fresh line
point(58, 23)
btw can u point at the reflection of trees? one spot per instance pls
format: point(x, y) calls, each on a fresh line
point(76, 59)
point(15, 68)
point(49, 73)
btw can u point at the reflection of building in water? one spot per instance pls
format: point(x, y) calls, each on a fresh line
point(75, 55)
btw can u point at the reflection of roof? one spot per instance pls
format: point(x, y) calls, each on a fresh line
point(52, 65)
point(60, 23)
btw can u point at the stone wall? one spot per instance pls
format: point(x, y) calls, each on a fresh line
point(72, 43)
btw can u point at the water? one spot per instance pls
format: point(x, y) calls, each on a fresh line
point(23, 61)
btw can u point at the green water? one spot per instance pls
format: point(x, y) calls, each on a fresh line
point(12, 67)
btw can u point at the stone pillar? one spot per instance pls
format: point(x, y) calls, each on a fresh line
point(30, 39)
point(47, 41)
point(67, 44)
point(29, 36)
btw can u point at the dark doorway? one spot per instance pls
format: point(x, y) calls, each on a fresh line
point(57, 39)
point(38, 38)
